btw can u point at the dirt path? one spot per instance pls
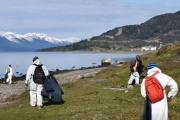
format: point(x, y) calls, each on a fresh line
point(74, 75)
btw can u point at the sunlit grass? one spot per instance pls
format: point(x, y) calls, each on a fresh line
point(86, 99)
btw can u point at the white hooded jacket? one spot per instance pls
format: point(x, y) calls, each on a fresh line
point(160, 108)
point(30, 72)
point(10, 71)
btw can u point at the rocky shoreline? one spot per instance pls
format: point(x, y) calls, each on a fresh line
point(9, 93)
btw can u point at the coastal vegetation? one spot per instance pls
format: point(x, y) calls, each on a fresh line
point(87, 99)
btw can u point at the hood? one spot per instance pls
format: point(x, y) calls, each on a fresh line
point(152, 70)
point(37, 62)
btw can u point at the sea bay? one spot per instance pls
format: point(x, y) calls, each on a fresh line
point(20, 61)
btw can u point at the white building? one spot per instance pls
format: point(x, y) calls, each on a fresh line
point(146, 48)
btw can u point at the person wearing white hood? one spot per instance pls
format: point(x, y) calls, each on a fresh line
point(159, 110)
point(35, 88)
point(9, 72)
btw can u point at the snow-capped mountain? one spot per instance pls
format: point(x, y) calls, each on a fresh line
point(10, 41)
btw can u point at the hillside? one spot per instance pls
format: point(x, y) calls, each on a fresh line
point(87, 98)
point(159, 29)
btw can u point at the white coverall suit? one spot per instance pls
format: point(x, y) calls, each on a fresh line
point(160, 108)
point(9, 79)
point(35, 89)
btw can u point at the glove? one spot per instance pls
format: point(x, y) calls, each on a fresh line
point(48, 76)
point(169, 99)
point(26, 84)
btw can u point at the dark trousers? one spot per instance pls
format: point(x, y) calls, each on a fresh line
point(147, 110)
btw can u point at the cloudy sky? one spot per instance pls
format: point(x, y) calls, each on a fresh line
point(78, 18)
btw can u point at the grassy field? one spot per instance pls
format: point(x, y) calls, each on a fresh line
point(87, 99)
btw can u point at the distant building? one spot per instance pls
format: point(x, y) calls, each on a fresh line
point(146, 48)
point(160, 46)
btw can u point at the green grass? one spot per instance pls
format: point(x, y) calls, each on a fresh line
point(86, 99)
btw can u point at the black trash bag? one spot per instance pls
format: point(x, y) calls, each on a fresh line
point(52, 91)
point(5, 77)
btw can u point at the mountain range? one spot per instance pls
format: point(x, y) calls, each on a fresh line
point(10, 41)
point(162, 29)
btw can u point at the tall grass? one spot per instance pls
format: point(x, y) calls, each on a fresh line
point(86, 99)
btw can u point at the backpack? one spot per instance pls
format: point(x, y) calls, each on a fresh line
point(132, 64)
point(154, 89)
point(38, 76)
point(141, 68)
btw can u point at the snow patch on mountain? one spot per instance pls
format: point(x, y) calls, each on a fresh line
point(32, 36)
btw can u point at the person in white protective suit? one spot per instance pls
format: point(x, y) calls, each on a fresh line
point(159, 110)
point(9, 72)
point(35, 88)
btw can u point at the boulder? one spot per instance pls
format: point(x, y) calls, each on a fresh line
point(79, 77)
point(106, 61)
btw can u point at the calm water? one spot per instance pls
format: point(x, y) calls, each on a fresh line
point(20, 61)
